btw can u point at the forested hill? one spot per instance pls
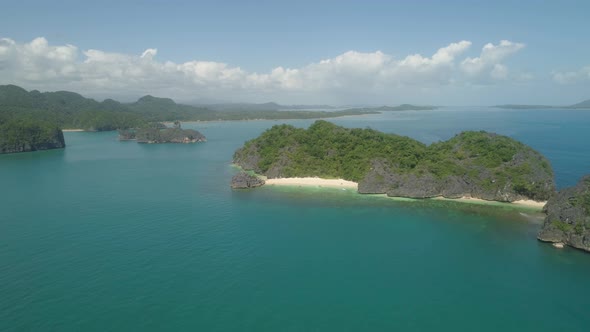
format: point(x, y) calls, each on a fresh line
point(476, 164)
point(71, 110)
point(64, 109)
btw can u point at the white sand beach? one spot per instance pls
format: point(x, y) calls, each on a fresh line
point(525, 203)
point(313, 182)
point(71, 130)
point(345, 184)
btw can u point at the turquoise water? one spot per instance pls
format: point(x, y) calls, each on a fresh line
point(109, 235)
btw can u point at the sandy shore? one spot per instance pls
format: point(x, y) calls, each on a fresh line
point(524, 202)
point(339, 183)
point(313, 182)
point(71, 130)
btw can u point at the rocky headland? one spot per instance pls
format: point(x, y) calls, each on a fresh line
point(26, 135)
point(568, 217)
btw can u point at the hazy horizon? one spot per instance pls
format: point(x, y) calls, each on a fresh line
point(333, 53)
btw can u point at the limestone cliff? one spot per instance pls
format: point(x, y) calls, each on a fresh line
point(568, 217)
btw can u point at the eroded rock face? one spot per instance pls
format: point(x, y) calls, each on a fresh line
point(244, 180)
point(568, 217)
point(481, 183)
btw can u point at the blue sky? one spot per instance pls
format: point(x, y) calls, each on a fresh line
point(230, 50)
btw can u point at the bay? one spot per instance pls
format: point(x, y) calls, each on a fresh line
point(109, 235)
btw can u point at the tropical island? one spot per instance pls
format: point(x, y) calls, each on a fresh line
point(159, 133)
point(472, 164)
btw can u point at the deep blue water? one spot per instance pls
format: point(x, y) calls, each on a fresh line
point(118, 236)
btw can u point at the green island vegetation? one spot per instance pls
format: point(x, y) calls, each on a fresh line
point(25, 134)
point(69, 110)
point(477, 164)
point(568, 217)
point(158, 133)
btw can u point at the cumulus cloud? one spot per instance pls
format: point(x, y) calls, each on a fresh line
point(488, 63)
point(37, 64)
point(571, 77)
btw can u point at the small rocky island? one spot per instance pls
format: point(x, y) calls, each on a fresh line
point(26, 135)
point(159, 133)
point(568, 217)
point(472, 164)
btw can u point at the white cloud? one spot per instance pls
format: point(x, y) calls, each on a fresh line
point(571, 77)
point(488, 64)
point(39, 65)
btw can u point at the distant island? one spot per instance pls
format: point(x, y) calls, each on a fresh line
point(26, 135)
point(568, 217)
point(472, 164)
point(402, 107)
point(155, 134)
point(581, 105)
point(69, 110)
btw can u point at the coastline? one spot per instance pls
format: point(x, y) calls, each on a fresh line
point(345, 184)
point(72, 130)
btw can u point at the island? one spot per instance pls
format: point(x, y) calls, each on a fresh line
point(402, 107)
point(581, 105)
point(159, 133)
point(26, 135)
point(568, 217)
point(472, 164)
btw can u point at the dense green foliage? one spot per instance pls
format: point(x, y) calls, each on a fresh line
point(330, 151)
point(27, 134)
point(327, 150)
point(71, 110)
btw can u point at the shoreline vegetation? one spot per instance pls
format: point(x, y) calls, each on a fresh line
point(345, 185)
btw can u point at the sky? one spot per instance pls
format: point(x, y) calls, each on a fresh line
point(302, 52)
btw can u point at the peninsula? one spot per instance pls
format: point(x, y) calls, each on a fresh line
point(477, 165)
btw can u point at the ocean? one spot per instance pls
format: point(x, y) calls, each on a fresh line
point(118, 236)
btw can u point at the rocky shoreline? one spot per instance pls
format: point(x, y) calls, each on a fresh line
point(568, 217)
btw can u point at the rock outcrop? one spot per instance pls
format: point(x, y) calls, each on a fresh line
point(244, 180)
point(27, 137)
point(568, 217)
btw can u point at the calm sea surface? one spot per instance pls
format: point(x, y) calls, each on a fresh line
point(118, 236)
